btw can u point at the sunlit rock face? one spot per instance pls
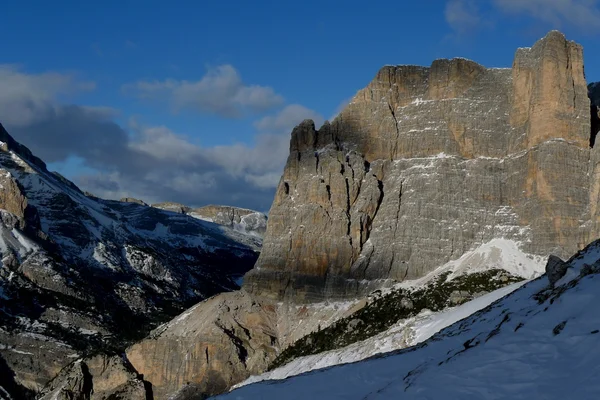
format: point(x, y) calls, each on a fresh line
point(427, 162)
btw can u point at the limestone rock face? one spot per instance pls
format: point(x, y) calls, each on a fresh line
point(98, 378)
point(594, 95)
point(424, 164)
point(238, 218)
point(175, 207)
point(241, 219)
point(208, 348)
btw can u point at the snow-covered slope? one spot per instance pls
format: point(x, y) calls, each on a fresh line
point(80, 274)
point(498, 254)
point(538, 342)
point(405, 333)
point(392, 309)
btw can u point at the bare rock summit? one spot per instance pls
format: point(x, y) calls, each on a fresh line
point(426, 163)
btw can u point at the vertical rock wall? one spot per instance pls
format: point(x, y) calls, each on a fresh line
point(426, 163)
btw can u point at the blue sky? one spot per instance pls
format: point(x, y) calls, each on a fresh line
point(194, 101)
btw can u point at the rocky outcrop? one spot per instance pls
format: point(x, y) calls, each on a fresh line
point(224, 340)
point(175, 207)
point(241, 219)
point(555, 269)
point(209, 347)
point(98, 378)
point(425, 164)
point(133, 200)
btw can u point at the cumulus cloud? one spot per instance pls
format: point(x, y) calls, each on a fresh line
point(287, 119)
point(221, 91)
point(149, 162)
point(584, 14)
point(22, 95)
point(162, 165)
point(463, 15)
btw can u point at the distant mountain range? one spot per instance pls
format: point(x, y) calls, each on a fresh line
point(80, 274)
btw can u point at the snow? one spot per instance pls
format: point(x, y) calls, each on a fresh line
point(404, 334)
point(428, 327)
point(201, 217)
point(499, 253)
point(27, 245)
point(84, 331)
point(13, 239)
point(496, 254)
point(532, 344)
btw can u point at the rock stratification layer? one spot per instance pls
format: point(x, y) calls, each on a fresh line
point(424, 164)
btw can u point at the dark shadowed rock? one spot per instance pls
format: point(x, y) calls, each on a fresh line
point(555, 269)
point(80, 275)
point(133, 200)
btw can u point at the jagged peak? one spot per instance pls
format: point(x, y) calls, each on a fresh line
point(12, 145)
point(551, 39)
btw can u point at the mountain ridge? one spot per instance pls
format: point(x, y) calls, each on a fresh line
point(82, 275)
point(426, 163)
point(536, 342)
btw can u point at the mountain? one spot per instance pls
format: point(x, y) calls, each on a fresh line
point(426, 163)
point(240, 219)
point(435, 187)
point(222, 341)
point(425, 166)
point(81, 275)
point(539, 342)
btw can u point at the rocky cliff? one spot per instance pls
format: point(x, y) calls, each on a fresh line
point(426, 163)
point(80, 275)
point(208, 348)
point(240, 219)
point(539, 342)
point(423, 166)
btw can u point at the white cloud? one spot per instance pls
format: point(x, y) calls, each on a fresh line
point(169, 163)
point(148, 162)
point(583, 14)
point(463, 15)
point(286, 119)
point(164, 145)
point(221, 91)
point(24, 97)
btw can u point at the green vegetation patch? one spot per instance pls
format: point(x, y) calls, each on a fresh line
point(386, 310)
